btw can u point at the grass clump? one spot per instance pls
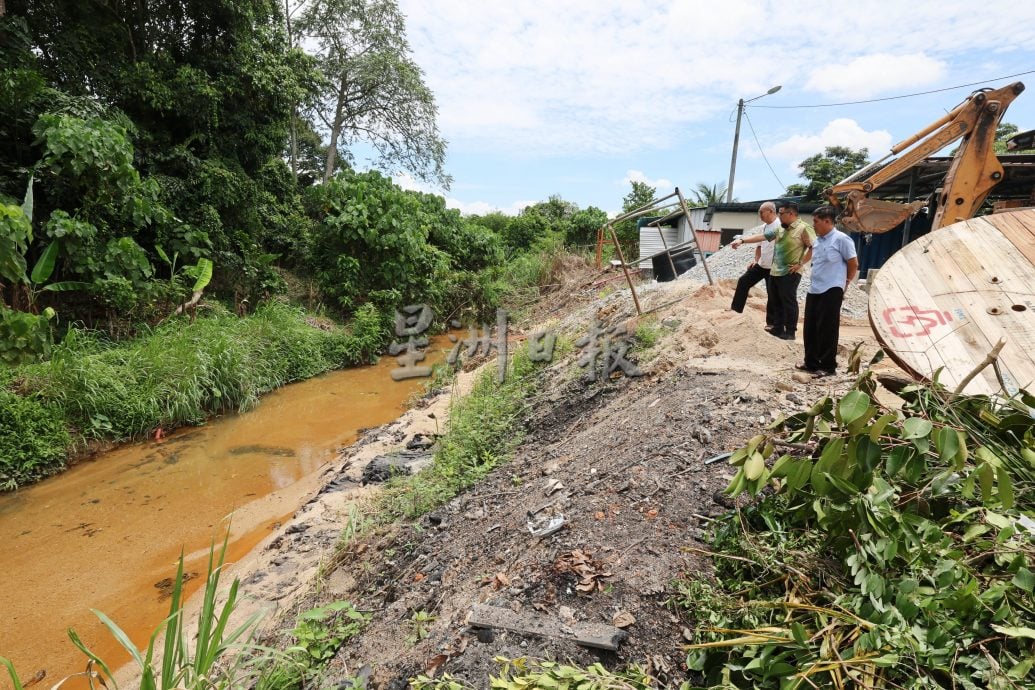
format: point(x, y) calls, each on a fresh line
point(33, 440)
point(183, 373)
point(484, 427)
point(179, 373)
point(200, 661)
point(319, 633)
point(525, 672)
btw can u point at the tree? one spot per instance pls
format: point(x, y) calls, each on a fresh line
point(640, 195)
point(203, 90)
point(374, 91)
point(1004, 131)
point(373, 244)
point(827, 169)
point(584, 225)
point(708, 196)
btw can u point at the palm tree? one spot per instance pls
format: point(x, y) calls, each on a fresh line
point(706, 196)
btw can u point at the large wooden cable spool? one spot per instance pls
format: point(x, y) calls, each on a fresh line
point(945, 300)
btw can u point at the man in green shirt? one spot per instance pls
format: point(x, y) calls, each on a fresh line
point(791, 251)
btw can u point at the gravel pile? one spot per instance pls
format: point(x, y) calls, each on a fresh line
point(729, 264)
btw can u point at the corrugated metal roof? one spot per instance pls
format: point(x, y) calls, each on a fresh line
point(650, 243)
point(709, 241)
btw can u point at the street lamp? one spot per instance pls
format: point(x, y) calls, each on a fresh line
point(736, 139)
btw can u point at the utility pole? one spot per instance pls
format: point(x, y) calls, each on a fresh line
point(733, 161)
point(736, 139)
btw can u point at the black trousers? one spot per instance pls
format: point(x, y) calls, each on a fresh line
point(785, 293)
point(749, 280)
point(822, 329)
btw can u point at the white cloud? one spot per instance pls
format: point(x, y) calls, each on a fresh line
point(839, 132)
point(659, 184)
point(870, 75)
point(587, 77)
point(481, 208)
point(407, 182)
point(410, 184)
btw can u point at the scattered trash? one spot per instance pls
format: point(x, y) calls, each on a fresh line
point(545, 526)
point(717, 458)
point(553, 486)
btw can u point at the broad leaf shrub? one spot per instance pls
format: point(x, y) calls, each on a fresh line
point(374, 238)
point(896, 550)
point(24, 337)
point(33, 440)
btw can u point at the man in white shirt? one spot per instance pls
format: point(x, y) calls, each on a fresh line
point(759, 268)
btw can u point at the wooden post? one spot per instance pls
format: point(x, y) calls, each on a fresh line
point(686, 211)
point(635, 213)
point(671, 261)
point(913, 175)
point(625, 269)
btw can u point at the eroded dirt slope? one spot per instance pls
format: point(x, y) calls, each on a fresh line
point(623, 461)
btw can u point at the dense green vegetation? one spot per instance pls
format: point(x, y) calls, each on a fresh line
point(95, 389)
point(158, 153)
point(484, 427)
point(895, 552)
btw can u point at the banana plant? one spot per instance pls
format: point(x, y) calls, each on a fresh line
point(42, 272)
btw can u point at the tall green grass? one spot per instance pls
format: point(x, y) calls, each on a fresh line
point(179, 373)
point(33, 439)
point(204, 660)
point(484, 427)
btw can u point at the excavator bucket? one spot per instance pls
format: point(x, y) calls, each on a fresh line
point(866, 215)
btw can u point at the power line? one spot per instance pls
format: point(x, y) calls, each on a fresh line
point(757, 143)
point(891, 98)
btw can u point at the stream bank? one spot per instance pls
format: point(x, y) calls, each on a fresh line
point(106, 534)
point(621, 463)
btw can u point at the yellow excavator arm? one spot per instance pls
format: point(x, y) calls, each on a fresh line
point(973, 173)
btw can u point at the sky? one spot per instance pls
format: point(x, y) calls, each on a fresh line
point(580, 97)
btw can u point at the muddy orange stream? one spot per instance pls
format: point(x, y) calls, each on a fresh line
point(104, 534)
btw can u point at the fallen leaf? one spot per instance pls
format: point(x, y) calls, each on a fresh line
point(433, 665)
point(623, 619)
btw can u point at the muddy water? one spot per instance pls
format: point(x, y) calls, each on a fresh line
point(104, 534)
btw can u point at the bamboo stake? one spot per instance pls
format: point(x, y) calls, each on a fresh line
point(625, 269)
point(686, 211)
